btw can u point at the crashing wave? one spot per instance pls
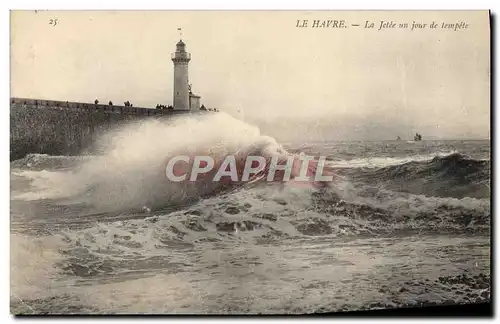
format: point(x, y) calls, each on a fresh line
point(129, 171)
point(454, 175)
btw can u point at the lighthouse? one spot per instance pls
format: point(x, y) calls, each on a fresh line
point(181, 60)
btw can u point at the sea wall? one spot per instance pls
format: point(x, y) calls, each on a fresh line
point(63, 128)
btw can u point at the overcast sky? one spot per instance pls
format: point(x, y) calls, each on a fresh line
point(350, 83)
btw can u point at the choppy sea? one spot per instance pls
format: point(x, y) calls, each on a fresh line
point(404, 224)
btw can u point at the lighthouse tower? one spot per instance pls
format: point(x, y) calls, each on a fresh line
point(181, 60)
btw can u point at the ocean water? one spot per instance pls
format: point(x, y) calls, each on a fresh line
point(402, 224)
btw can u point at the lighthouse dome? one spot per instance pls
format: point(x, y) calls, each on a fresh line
point(181, 46)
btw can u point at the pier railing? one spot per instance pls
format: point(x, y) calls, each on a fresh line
point(94, 108)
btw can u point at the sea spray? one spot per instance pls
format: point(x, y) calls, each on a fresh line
point(128, 172)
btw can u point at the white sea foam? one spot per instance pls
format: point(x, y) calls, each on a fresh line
point(378, 162)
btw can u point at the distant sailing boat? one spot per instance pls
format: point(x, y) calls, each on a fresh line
point(398, 139)
point(417, 137)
